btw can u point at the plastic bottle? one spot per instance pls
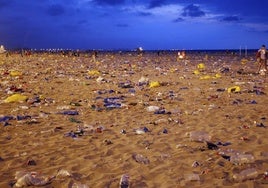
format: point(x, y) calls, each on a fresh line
point(192, 177)
point(124, 181)
point(242, 158)
point(249, 173)
point(199, 136)
point(78, 185)
point(152, 108)
point(140, 158)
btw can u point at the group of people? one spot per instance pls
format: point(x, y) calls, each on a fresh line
point(262, 57)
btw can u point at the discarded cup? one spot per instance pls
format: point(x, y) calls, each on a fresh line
point(24, 179)
point(124, 181)
point(192, 177)
point(242, 158)
point(199, 136)
point(152, 108)
point(140, 159)
point(250, 173)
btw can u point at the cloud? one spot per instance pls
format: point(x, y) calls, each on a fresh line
point(178, 20)
point(192, 11)
point(55, 10)
point(231, 19)
point(144, 14)
point(156, 3)
point(109, 2)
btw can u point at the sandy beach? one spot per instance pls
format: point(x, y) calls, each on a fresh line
point(71, 122)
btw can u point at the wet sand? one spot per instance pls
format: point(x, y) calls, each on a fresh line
point(91, 119)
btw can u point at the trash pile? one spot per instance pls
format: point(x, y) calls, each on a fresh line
point(198, 118)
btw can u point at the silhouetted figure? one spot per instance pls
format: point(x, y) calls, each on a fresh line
point(262, 58)
point(94, 56)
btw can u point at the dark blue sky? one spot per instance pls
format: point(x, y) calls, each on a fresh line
point(128, 24)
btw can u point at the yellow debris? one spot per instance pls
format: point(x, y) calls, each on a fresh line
point(15, 73)
point(154, 84)
point(196, 72)
point(93, 72)
point(234, 89)
point(16, 98)
point(201, 66)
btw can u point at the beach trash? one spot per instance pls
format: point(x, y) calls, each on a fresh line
point(206, 77)
point(195, 164)
point(25, 179)
point(242, 159)
point(234, 89)
point(246, 174)
point(15, 73)
point(70, 112)
point(196, 72)
point(6, 118)
point(262, 72)
point(192, 177)
point(165, 131)
point(62, 173)
point(142, 130)
point(124, 181)
point(199, 136)
point(152, 108)
point(225, 70)
point(201, 66)
point(172, 70)
point(217, 75)
point(243, 61)
point(140, 159)
point(212, 146)
point(143, 81)
point(93, 73)
point(16, 98)
point(154, 84)
point(79, 185)
point(100, 79)
point(113, 102)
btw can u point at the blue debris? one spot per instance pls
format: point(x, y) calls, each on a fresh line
point(132, 90)
point(145, 129)
point(71, 134)
point(225, 70)
point(161, 111)
point(19, 118)
point(260, 125)
point(165, 131)
point(6, 118)
point(253, 102)
point(125, 85)
point(112, 105)
point(220, 90)
point(223, 143)
point(100, 92)
point(70, 112)
point(112, 102)
point(6, 123)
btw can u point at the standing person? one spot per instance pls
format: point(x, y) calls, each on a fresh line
point(94, 56)
point(262, 58)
